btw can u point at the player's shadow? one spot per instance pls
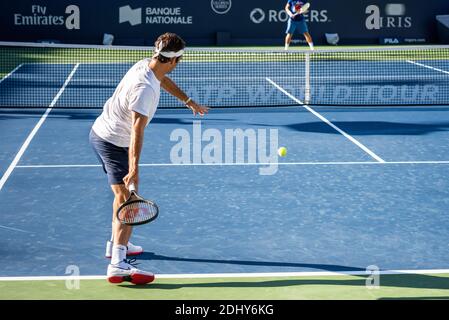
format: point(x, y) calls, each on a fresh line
point(386, 281)
point(152, 256)
point(398, 280)
point(188, 122)
point(73, 114)
point(416, 298)
point(20, 114)
point(362, 128)
point(12, 117)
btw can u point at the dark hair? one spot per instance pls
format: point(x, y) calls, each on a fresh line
point(170, 42)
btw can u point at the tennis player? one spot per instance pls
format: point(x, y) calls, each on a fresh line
point(117, 139)
point(296, 21)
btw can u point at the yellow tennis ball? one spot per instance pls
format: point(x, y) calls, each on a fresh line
point(282, 151)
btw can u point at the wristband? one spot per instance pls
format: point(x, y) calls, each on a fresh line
point(187, 101)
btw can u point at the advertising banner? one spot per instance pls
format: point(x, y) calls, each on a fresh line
point(204, 22)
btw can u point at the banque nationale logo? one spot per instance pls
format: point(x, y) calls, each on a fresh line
point(221, 6)
point(133, 16)
point(41, 16)
point(153, 15)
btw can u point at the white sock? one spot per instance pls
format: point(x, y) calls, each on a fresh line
point(112, 241)
point(311, 46)
point(118, 254)
point(286, 46)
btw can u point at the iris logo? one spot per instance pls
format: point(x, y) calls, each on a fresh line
point(395, 18)
point(221, 6)
point(133, 16)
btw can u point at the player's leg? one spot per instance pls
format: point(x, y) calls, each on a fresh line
point(120, 196)
point(288, 39)
point(309, 40)
point(116, 159)
point(304, 29)
point(132, 249)
point(291, 26)
point(120, 269)
point(120, 232)
point(115, 164)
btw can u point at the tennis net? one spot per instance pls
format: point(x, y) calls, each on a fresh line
point(31, 75)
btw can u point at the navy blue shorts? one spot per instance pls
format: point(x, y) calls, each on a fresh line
point(300, 26)
point(113, 159)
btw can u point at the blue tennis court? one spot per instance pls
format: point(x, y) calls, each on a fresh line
point(360, 186)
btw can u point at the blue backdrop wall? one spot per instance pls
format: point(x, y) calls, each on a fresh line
point(210, 22)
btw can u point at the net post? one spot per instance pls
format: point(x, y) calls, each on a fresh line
point(307, 79)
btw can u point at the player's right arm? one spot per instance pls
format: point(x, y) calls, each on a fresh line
point(287, 9)
point(139, 123)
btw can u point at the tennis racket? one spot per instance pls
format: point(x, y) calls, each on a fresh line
point(137, 210)
point(304, 8)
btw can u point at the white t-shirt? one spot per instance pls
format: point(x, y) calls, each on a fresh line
point(138, 91)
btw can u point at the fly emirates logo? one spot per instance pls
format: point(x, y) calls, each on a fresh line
point(41, 16)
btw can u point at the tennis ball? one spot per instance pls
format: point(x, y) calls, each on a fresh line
point(282, 151)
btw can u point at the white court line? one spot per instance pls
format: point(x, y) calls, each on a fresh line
point(237, 275)
point(300, 78)
point(234, 78)
point(14, 229)
point(334, 163)
point(88, 79)
point(9, 74)
point(62, 166)
point(428, 67)
point(349, 137)
point(34, 131)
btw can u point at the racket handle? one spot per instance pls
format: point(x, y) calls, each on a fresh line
point(132, 187)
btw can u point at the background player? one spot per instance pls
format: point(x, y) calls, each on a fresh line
point(296, 21)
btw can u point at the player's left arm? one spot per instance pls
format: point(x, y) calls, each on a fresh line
point(170, 86)
point(139, 122)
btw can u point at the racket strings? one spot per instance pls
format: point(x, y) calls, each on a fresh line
point(137, 212)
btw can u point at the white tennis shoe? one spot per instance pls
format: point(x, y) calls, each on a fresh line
point(132, 250)
point(126, 271)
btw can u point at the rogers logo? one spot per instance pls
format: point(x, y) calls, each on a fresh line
point(259, 15)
